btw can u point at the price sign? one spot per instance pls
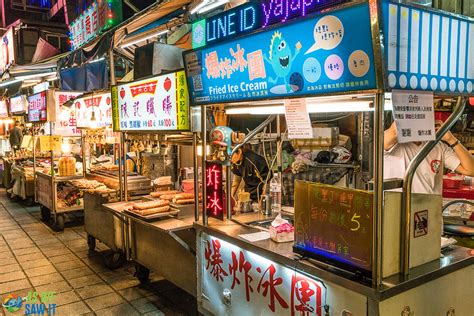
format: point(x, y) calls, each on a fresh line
point(334, 224)
point(215, 200)
point(48, 143)
point(413, 112)
point(37, 107)
point(297, 119)
point(3, 109)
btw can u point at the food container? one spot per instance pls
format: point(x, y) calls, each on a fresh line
point(452, 181)
point(67, 166)
point(188, 186)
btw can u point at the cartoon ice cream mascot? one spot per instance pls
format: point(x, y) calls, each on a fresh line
point(281, 58)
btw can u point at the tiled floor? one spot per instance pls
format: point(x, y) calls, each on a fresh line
point(34, 258)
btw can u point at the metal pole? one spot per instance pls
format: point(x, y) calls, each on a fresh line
point(408, 182)
point(33, 136)
point(203, 164)
point(125, 169)
point(120, 172)
point(83, 147)
point(228, 185)
point(378, 191)
point(52, 174)
point(196, 177)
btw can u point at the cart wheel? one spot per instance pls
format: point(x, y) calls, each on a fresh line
point(90, 242)
point(142, 273)
point(30, 201)
point(45, 214)
point(59, 222)
point(114, 260)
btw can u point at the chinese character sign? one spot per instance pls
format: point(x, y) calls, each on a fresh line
point(99, 16)
point(413, 112)
point(7, 50)
point(334, 224)
point(159, 103)
point(100, 104)
point(327, 53)
point(66, 121)
point(258, 286)
point(37, 107)
point(215, 199)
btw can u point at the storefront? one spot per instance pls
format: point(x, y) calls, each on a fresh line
point(359, 247)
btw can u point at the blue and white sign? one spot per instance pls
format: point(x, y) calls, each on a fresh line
point(428, 50)
point(321, 54)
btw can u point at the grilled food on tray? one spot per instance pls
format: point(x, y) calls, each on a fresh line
point(184, 198)
point(150, 207)
point(161, 193)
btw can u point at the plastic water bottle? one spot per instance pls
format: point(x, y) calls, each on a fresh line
point(275, 193)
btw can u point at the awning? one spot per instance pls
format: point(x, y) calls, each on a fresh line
point(147, 24)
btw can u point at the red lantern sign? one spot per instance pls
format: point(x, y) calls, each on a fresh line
point(215, 199)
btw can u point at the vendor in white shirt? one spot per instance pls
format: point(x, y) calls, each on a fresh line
point(449, 153)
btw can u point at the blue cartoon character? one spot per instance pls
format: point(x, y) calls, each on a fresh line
point(281, 59)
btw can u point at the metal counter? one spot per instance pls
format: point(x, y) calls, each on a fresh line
point(166, 246)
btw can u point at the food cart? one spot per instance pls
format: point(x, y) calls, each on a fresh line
point(355, 251)
point(152, 115)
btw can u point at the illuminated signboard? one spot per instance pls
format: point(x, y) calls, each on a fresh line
point(100, 104)
point(18, 104)
point(66, 119)
point(98, 17)
point(215, 200)
point(334, 225)
point(251, 16)
point(259, 286)
point(155, 104)
point(38, 107)
point(7, 50)
point(328, 53)
point(3, 109)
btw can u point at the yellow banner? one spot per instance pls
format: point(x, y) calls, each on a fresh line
point(182, 101)
point(115, 110)
point(48, 143)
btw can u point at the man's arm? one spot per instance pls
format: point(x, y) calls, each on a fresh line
point(390, 137)
point(467, 160)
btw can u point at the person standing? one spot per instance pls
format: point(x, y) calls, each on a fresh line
point(16, 136)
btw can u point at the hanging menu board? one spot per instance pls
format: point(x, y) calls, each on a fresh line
point(38, 107)
point(428, 50)
point(313, 55)
point(154, 104)
point(66, 124)
point(334, 225)
point(18, 104)
point(100, 104)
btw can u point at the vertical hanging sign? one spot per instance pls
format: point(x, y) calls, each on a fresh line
point(182, 98)
point(215, 200)
point(115, 113)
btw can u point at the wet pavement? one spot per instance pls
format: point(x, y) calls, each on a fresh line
point(36, 262)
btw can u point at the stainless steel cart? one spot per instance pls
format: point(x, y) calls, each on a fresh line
point(46, 195)
point(106, 225)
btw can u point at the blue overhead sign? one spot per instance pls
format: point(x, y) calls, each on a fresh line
point(251, 16)
point(427, 50)
point(318, 55)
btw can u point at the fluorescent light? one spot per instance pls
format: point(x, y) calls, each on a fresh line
point(208, 5)
point(7, 83)
point(96, 60)
point(36, 75)
point(145, 38)
point(314, 105)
